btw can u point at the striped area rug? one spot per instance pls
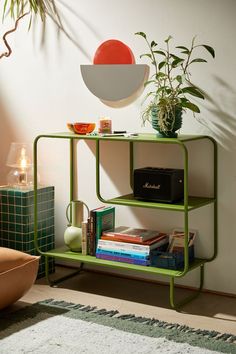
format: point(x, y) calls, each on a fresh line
point(58, 327)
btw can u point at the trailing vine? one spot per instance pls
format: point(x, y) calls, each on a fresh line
point(44, 9)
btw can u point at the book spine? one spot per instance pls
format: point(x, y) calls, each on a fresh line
point(88, 235)
point(160, 243)
point(92, 233)
point(105, 220)
point(123, 259)
point(123, 253)
point(105, 244)
point(124, 237)
point(84, 227)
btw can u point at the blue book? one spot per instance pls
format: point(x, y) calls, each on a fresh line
point(123, 253)
point(123, 259)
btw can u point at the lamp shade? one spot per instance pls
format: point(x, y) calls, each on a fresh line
point(19, 156)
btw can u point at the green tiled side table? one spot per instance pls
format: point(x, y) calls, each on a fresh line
point(17, 221)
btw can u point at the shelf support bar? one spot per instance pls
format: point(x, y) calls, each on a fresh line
point(186, 196)
point(186, 231)
point(215, 198)
point(54, 283)
point(183, 302)
point(71, 169)
point(35, 163)
point(98, 172)
point(131, 164)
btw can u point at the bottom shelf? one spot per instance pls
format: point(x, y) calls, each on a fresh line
point(65, 254)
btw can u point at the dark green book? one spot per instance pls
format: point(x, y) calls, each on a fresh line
point(105, 220)
point(92, 230)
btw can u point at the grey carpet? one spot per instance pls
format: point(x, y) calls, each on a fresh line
point(60, 327)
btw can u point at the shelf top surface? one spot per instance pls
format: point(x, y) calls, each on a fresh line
point(193, 203)
point(139, 138)
point(66, 254)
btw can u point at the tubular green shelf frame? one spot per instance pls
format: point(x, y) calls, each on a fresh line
point(189, 203)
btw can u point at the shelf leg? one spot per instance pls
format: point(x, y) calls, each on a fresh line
point(183, 302)
point(54, 283)
point(131, 164)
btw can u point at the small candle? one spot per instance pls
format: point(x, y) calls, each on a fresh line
point(105, 125)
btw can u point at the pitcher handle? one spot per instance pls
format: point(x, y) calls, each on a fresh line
point(68, 208)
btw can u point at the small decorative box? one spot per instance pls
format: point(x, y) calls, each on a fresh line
point(169, 260)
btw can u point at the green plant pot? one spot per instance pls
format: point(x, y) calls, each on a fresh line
point(170, 131)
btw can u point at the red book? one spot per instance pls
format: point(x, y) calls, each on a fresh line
point(128, 234)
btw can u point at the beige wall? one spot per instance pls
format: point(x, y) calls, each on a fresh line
point(42, 89)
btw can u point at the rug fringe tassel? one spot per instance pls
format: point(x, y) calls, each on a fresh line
point(225, 337)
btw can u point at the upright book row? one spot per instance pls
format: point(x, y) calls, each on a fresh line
point(100, 219)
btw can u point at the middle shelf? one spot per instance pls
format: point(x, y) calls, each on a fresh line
point(129, 200)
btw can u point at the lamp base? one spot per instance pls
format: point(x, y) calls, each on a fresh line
point(20, 179)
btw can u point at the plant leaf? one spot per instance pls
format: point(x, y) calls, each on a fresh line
point(177, 62)
point(193, 91)
point(159, 52)
point(161, 64)
point(149, 82)
point(209, 49)
point(145, 55)
point(168, 39)
point(190, 105)
point(141, 34)
point(198, 60)
point(174, 56)
point(4, 9)
point(186, 50)
point(163, 88)
point(153, 44)
point(180, 78)
point(160, 75)
point(147, 95)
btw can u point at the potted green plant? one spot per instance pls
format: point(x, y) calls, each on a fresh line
point(171, 85)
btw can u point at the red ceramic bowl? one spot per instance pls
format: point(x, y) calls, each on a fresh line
point(81, 127)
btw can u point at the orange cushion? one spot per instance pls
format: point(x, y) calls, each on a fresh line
point(18, 272)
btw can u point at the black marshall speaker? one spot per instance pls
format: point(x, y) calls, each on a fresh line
point(159, 184)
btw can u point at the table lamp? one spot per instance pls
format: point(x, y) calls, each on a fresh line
point(20, 160)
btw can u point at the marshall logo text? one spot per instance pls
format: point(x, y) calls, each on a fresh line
point(151, 186)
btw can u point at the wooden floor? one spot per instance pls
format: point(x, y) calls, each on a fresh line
point(208, 311)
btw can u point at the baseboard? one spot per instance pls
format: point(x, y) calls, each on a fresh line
point(140, 278)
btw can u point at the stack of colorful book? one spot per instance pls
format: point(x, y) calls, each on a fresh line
point(129, 245)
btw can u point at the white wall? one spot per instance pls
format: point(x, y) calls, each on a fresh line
point(42, 89)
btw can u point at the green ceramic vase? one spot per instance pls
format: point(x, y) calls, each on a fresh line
point(170, 131)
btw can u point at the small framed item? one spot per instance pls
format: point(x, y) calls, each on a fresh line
point(177, 240)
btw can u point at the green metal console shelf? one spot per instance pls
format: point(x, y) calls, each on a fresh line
point(189, 204)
